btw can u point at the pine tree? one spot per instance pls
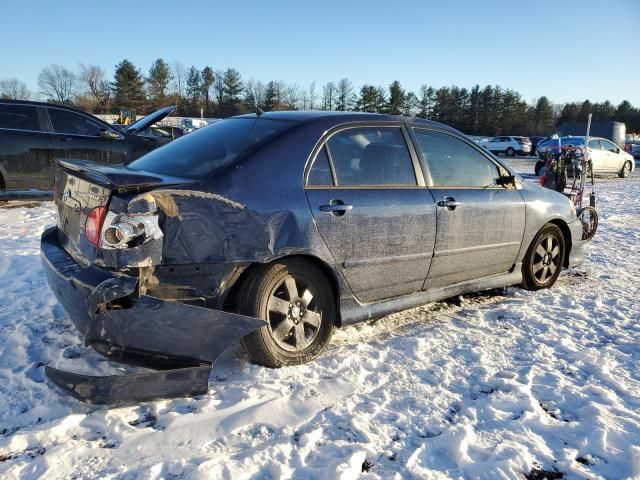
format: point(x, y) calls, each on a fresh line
point(232, 90)
point(128, 86)
point(397, 99)
point(158, 81)
point(207, 82)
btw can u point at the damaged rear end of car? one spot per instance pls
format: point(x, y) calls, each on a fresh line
point(128, 272)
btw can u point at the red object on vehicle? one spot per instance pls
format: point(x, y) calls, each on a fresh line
point(93, 225)
point(541, 178)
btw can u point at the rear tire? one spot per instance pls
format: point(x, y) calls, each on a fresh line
point(510, 152)
point(299, 305)
point(538, 167)
point(544, 259)
point(626, 170)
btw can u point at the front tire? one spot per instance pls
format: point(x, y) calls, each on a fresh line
point(544, 259)
point(511, 152)
point(298, 303)
point(626, 170)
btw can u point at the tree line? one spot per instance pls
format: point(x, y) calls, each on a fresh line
point(488, 110)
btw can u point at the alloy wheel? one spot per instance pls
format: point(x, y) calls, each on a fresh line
point(293, 314)
point(546, 259)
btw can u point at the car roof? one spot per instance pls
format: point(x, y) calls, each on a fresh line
point(43, 104)
point(304, 116)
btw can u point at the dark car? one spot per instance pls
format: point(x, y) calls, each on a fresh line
point(33, 134)
point(275, 229)
point(534, 144)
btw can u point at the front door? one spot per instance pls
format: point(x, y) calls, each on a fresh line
point(375, 216)
point(480, 224)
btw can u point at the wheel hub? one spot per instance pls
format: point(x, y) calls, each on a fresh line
point(296, 311)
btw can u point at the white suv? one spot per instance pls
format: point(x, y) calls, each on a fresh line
point(508, 145)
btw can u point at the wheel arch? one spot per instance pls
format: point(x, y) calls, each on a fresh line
point(230, 298)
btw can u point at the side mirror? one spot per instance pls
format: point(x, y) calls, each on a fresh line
point(617, 149)
point(110, 135)
point(506, 181)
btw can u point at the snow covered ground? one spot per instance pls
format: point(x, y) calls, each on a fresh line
point(498, 385)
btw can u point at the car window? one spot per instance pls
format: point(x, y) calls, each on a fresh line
point(371, 156)
point(453, 163)
point(320, 173)
point(212, 148)
point(19, 117)
point(595, 144)
point(607, 145)
point(73, 123)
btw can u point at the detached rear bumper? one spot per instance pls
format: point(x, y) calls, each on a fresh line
point(142, 325)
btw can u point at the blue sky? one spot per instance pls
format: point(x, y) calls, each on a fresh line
point(567, 50)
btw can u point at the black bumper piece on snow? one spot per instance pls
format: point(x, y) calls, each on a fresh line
point(132, 388)
point(169, 334)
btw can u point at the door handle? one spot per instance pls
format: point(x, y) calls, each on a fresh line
point(450, 203)
point(336, 208)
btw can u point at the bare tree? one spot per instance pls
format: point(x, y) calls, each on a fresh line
point(14, 89)
point(254, 94)
point(179, 78)
point(329, 93)
point(312, 95)
point(93, 80)
point(292, 96)
point(57, 83)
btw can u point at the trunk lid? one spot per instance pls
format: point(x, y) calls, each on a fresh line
point(146, 122)
point(81, 186)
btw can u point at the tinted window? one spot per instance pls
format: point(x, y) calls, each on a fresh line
point(73, 123)
point(595, 144)
point(454, 163)
point(19, 117)
point(320, 173)
point(211, 148)
point(371, 156)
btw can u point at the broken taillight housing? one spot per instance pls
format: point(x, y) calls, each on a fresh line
point(93, 225)
point(122, 231)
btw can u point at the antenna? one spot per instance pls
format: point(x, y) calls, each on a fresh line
point(259, 111)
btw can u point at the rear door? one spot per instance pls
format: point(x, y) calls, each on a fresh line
point(480, 224)
point(24, 147)
point(597, 156)
point(78, 136)
point(368, 200)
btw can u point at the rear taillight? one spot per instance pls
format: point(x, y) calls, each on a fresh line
point(93, 225)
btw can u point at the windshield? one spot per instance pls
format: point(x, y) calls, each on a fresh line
point(211, 148)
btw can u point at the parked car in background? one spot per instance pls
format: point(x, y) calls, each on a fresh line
point(534, 144)
point(277, 228)
point(606, 157)
point(633, 147)
point(191, 124)
point(167, 131)
point(33, 134)
point(509, 146)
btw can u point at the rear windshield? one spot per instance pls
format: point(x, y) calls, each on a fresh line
point(209, 149)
